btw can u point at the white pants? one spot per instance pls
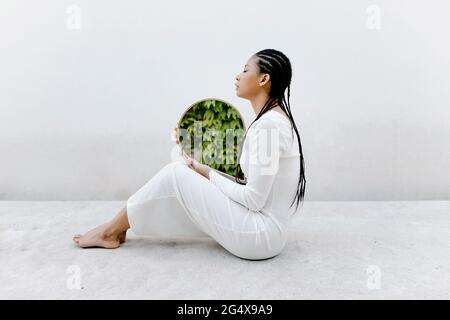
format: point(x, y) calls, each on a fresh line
point(179, 202)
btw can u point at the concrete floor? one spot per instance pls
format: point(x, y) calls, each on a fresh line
point(337, 250)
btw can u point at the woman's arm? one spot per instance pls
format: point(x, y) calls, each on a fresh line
point(200, 168)
point(192, 163)
point(264, 154)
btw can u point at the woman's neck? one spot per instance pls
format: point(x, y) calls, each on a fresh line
point(259, 101)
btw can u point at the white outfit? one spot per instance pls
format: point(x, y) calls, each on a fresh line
point(250, 221)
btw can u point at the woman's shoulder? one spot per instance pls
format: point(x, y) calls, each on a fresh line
point(273, 120)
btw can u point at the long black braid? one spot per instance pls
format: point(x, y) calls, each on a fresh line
point(278, 66)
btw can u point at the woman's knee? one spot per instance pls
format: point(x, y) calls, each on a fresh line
point(176, 163)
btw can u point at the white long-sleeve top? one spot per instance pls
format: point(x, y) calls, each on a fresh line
point(270, 161)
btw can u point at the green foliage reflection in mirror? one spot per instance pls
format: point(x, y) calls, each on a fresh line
point(211, 131)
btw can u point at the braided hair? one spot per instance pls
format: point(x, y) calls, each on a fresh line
point(278, 66)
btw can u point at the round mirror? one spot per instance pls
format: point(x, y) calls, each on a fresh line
point(211, 131)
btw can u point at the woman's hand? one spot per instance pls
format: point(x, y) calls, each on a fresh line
point(200, 168)
point(175, 134)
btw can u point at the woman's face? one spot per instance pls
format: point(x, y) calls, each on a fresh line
point(250, 82)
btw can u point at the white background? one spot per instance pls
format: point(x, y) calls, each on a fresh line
point(86, 114)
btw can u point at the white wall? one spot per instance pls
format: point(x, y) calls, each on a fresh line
point(86, 114)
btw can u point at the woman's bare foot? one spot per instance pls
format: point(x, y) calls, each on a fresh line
point(97, 238)
point(123, 236)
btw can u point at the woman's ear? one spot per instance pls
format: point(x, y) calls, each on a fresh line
point(264, 79)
